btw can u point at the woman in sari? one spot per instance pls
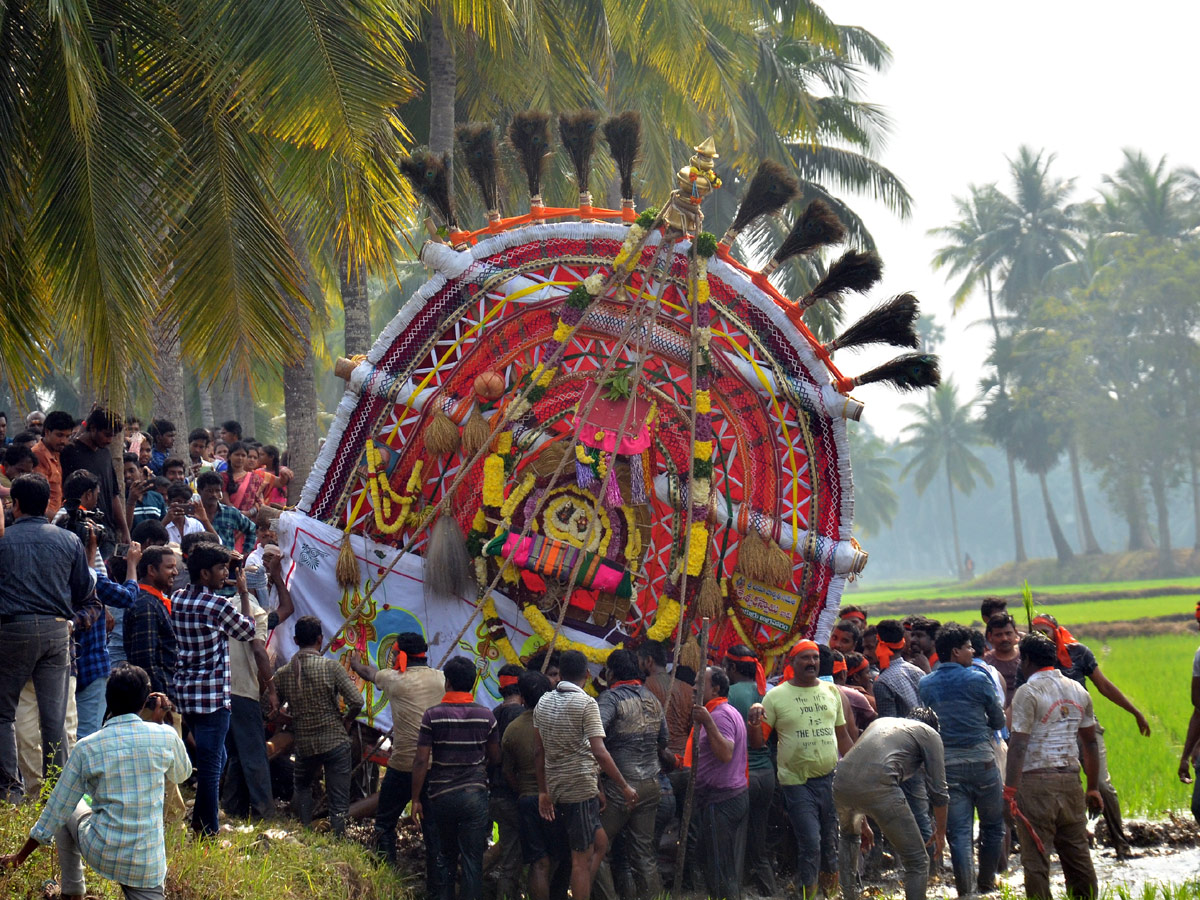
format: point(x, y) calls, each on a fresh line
point(277, 477)
point(243, 486)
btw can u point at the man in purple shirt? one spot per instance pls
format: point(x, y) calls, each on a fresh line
point(722, 788)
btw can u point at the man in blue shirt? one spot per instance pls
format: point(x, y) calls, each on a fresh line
point(43, 577)
point(970, 713)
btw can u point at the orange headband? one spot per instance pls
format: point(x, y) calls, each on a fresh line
point(760, 676)
point(402, 658)
point(854, 614)
point(839, 665)
point(804, 646)
point(1062, 638)
point(862, 664)
point(507, 680)
point(886, 650)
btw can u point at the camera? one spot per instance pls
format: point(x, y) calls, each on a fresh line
point(78, 519)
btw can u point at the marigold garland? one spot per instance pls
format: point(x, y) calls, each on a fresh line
point(383, 496)
point(543, 629)
point(697, 549)
point(704, 450)
point(666, 617)
point(703, 403)
point(497, 633)
point(493, 480)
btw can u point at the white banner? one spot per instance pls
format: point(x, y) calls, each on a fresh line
point(396, 605)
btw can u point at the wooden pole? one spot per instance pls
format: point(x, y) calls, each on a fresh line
point(698, 700)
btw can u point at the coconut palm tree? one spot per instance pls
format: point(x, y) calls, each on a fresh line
point(1037, 229)
point(156, 161)
point(1146, 198)
point(974, 252)
point(875, 500)
point(940, 437)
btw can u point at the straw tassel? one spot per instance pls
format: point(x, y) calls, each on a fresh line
point(476, 433)
point(689, 655)
point(752, 558)
point(347, 565)
point(441, 435)
point(778, 565)
point(709, 601)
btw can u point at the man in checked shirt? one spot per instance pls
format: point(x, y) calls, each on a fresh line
point(121, 768)
point(204, 623)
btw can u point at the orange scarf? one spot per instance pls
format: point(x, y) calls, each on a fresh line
point(1062, 638)
point(155, 592)
point(710, 706)
point(886, 650)
point(617, 684)
point(458, 697)
point(760, 676)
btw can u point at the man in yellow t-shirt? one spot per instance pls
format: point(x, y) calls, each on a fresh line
point(807, 716)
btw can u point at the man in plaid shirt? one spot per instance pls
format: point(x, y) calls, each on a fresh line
point(121, 768)
point(204, 623)
point(220, 518)
point(315, 688)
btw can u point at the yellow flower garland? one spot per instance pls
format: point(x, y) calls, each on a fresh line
point(543, 629)
point(493, 480)
point(666, 617)
point(697, 549)
point(519, 493)
point(704, 450)
point(382, 496)
point(703, 403)
point(561, 332)
point(502, 642)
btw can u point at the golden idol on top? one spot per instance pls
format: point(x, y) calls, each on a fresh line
point(694, 181)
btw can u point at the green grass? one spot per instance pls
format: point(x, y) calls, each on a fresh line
point(939, 591)
point(1073, 615)
point(250, 864)
point(1155, 672)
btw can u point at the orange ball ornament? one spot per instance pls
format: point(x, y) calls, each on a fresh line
point(489, 385)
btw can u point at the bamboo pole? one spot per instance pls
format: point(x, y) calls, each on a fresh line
point(685, 822)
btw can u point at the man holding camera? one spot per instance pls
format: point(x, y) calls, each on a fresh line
point(204, 622)
point(43, 577)
point(91, 451)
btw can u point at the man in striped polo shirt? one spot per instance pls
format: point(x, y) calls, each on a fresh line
point(570, 749)
point(458, 740)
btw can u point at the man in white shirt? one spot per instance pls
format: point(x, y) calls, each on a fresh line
point(1052, 722)
point(179, 522)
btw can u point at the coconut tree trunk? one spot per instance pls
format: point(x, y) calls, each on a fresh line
point(299, 389)
point(355, 304)
point(224, 397)
point(443, 80)
point(1195, 495)
point(1158, 490)
point(1086, 536)
point(958, 557)
point(1133, 507)
point(1014, 498)
point(206, 403)
point(1061, 547)
point(170, 401)
point(245, 408)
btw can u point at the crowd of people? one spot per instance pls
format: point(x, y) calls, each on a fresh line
point(137, 599)
point(136, 591)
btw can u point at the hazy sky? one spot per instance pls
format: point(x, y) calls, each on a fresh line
point(969, 83)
